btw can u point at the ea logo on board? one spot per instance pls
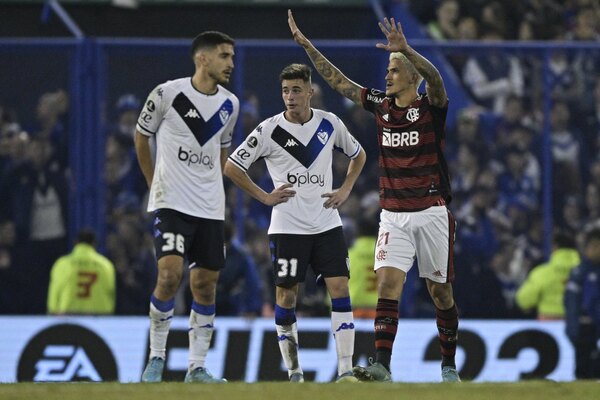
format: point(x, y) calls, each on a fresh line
point(64, 353)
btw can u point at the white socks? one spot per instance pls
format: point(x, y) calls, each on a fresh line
point(287, 337)
point(160, 321)
point(201, 330)
point(342, 326)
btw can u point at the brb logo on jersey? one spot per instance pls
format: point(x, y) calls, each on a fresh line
point(64, 353)
point(191, 158)
point(399, 139)
point(306, 178)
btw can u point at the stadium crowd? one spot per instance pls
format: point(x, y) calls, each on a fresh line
point(495, 158)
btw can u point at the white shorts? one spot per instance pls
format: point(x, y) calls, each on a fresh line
point(427, 236)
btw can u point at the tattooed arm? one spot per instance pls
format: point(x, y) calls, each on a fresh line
point(333, 76)
point(397, 42)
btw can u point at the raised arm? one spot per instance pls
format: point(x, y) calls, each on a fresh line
point(333, 76)
point(397, 43)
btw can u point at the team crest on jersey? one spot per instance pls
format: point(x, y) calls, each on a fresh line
point(223, 115)
point(412, 114)
point(322, 136)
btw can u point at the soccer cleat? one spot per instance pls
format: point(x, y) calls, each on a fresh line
point(346, 377)
point(202, 375)
point(449, 374)
point(374, 372)
point(297, 377)
point(153, 371)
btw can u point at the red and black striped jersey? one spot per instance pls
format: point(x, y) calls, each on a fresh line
point(413, 173)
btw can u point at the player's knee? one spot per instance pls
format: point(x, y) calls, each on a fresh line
point(204, 290)
point(168, 282)
point(442, 297)
point(286, 297)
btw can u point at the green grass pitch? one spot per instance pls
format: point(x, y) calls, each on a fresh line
point(580, 390)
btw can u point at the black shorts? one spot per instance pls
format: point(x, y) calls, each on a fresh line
point(200, 240)
point(326, 253)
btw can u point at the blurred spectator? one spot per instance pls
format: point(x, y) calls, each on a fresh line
point(317, 100)
point(239, 288)
point(495, 17)
point(51, 123)
point(586, 25)
point(476, 286)
point(571, 217)
point(582, 305)
point(587, 118)
point(128, 109)
point(544, 16)
point(493, 76)
point(361, 255)
point(130, 247)
point(592, 202)
point(514, 185)
point(565, 83)
point(468, 29)
point(34, 193)
point(566, 154)
point(467, 132)
point(465, 171)
point(544, 288)
point(122, 177)
point(444, 27)
point(82, 282)
point(9, 284)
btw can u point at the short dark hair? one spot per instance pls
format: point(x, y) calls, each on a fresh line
point(592, 234)
point(210, 39)
point(296, 71)
point(563, 240)
point(86, 236)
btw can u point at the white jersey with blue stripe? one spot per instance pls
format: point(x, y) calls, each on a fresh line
point(190, 128)
point(300, 154)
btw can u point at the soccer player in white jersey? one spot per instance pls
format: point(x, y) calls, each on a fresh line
point(192, 120)
point(305, 228)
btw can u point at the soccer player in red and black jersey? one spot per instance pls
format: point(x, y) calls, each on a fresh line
point(414, 190)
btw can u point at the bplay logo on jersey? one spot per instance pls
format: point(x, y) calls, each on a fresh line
point(306, 178)
point(191, 158)
point(64, 353)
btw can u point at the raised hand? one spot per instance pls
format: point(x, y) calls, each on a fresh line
point(297, 35)
point(395, 36)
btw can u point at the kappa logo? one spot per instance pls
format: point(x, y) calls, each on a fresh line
point(412, 114)
point(290, 143)
point(192, 113)
point(345, 326)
